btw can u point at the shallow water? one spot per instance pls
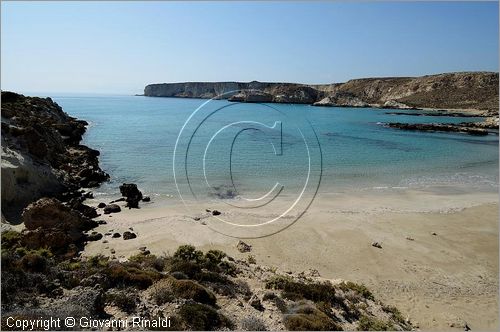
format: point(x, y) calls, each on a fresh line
point(348, 147)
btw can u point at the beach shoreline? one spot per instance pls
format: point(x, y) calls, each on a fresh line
point(439, 281)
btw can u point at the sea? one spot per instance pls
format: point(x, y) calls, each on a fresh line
point(195, 148)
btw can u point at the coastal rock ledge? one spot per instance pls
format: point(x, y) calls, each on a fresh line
point(41, 154)
point(450, 91)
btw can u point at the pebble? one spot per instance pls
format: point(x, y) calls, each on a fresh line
point(377, 245)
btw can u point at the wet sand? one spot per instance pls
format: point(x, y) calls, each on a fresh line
point(440, 281)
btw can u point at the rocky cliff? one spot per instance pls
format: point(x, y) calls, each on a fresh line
point(41, 154)
point(464, 90)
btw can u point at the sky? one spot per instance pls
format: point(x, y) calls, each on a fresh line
point(119, 47)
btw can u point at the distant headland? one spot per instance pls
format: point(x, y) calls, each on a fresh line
point(450, 91)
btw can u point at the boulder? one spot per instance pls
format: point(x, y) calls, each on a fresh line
point(86, 210)
point(243, 247)
point(129, 235)
point(111, 208)
point(51, 213)
point(94, 236)
point(132, 194)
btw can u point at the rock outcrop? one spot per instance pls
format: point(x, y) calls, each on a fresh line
point(460, 128)
point(41, 154)
point(464, 90)
point(50, 224)
point(132, 195)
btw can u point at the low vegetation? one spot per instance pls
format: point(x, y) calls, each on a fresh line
point(188, 286)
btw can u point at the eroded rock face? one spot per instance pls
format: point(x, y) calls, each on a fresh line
point(51, 224)
point(49, 213)
point(465, 90)
point(341, 100)
point(41, 155)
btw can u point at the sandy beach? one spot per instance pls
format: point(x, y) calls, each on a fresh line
point(438, 262)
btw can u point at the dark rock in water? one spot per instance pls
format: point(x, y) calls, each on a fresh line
point(215, 213)
point(129, 235)
point(132, 194)
point(94, 236)
point(439, 127)
point(116, 235)
point(146, 199)
point(243, 247)
point(101, 205)
point(111, 208)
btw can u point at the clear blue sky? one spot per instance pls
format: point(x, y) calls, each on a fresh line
point(118, 47)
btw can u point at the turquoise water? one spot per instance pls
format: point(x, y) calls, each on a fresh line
point(137, 135)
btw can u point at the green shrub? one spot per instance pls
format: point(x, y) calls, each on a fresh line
point(120, 274)
point(179, 275)
point(189, 253)
point(253, 323)
point(296, 290)
point(278, 282)
point(251, 259)
point(212, 277)
point(70, 266)
point(34, 262)
point(191, 269)
point(21, 251)
point(395, 313)
point(10, 239)
point(202, 317)
point(308, 318)
point(214, 257)
point(98, 261)
point(189, 289)
point(161, 292)
point(150, 261)
point(125, 300)
point(358, 288)
point(367, 323)
point(228, 268)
